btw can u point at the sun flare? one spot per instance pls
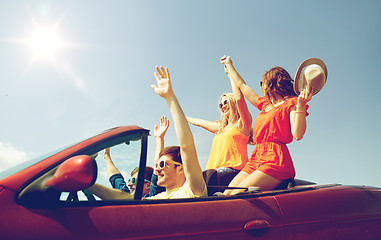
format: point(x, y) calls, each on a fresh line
point(46, 48)
point(45, 43)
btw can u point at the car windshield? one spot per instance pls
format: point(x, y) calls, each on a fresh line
point(14, 169)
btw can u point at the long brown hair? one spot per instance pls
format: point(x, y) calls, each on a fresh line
point(278, 80)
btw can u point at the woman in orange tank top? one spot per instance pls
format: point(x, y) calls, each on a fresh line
point(228, 154)
point(282, 117)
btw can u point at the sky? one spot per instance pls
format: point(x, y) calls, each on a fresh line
point(72, 69)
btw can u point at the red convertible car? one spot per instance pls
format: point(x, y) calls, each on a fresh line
point(48, 198)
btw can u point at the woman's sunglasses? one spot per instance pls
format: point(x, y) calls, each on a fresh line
point(134, 180)
point(162, 163)
point(223, 103)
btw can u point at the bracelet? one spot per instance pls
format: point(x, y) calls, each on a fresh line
point(301, 112)
point(299, 107)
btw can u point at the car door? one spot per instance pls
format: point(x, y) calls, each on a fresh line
point(214, 217)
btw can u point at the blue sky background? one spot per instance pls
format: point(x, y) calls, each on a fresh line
point(101, 78)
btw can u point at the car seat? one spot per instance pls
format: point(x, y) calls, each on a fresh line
point(291, 182)
point(212, 181)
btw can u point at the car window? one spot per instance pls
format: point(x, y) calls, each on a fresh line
point(125, 157)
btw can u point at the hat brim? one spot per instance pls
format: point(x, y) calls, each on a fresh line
point(305, 63)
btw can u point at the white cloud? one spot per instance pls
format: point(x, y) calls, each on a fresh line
point(10, 156)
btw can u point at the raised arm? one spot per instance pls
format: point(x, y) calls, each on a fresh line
point(244, 123)
point(234, 76)
point(192, 169)
point(159, 133)
point(211, 126)
point(110, 166)
point(106, 193)
point(298, 114)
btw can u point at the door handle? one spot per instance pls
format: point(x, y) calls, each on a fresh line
point(256, 224)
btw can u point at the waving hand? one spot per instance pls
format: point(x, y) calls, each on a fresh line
point(164, 86)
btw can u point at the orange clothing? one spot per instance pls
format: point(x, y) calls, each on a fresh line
point(272, 131)
point(229, 149)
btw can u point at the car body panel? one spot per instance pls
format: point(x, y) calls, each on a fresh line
point(343, 211)
point(187, 219)
point(222, 219)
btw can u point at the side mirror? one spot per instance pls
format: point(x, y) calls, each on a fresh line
point(75, 174)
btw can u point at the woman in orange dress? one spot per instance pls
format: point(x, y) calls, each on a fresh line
point(282, 117)
point(228, 154)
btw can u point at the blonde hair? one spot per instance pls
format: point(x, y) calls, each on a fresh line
point(234, 114)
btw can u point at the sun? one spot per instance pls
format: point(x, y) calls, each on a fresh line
point(45, 43)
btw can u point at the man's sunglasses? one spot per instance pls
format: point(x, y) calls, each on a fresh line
point(162, 163)
point(223, 103)
point(134, 180)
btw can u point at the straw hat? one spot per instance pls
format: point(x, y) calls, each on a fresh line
point(313, 73)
